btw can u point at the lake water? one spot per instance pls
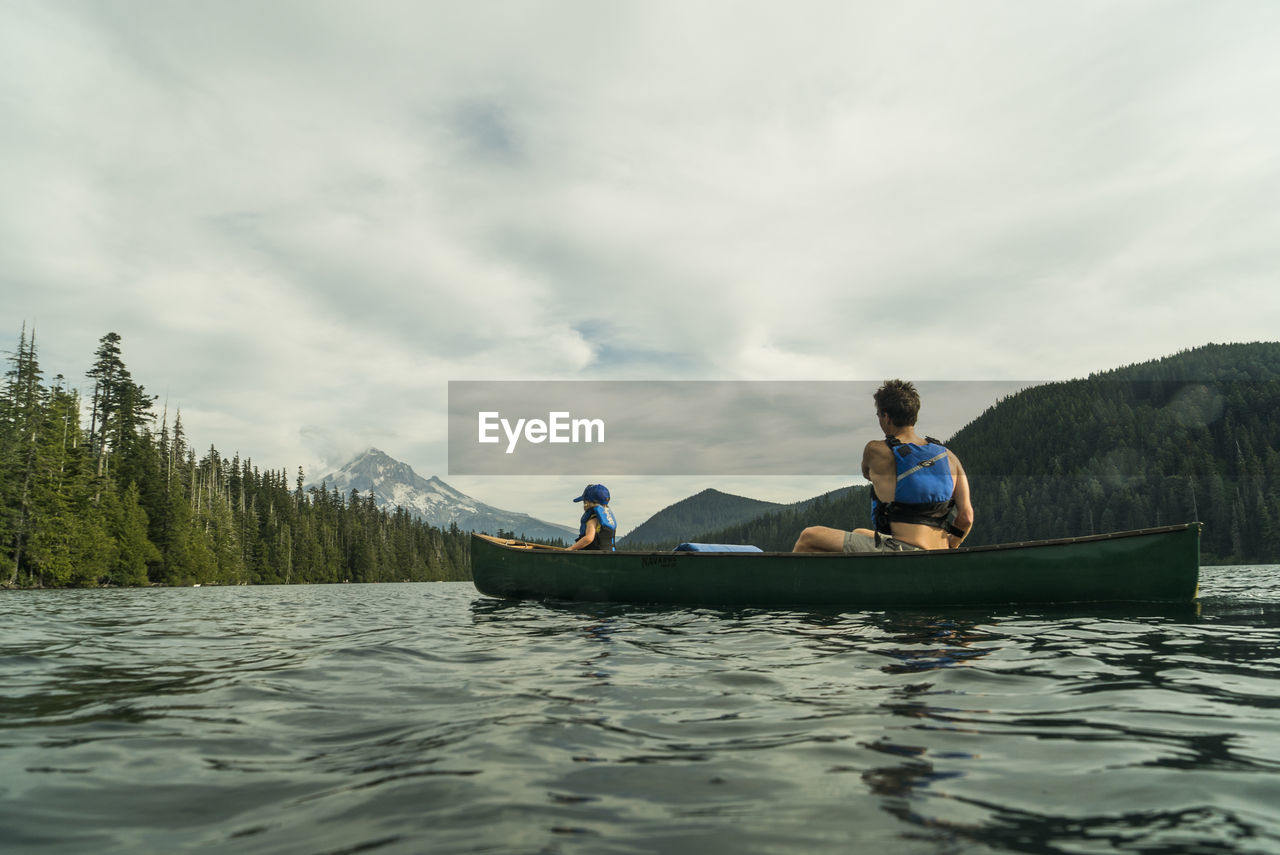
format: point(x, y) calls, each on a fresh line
point(427, 718)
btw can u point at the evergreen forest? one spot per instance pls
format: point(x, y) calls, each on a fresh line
point(1191, 437)
point(108, 493)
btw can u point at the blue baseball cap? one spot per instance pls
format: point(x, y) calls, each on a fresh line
point(597, 493)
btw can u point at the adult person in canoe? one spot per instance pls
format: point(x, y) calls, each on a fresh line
point(919, 491)
point(598, 526)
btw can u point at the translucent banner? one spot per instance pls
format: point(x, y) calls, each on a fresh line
point(599, 428)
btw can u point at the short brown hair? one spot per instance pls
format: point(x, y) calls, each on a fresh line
point(899, 400)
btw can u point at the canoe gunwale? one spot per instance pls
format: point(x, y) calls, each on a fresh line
point(538, 548)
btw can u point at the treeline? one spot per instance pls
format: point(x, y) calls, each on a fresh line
point(1192, 437)
point(502, 533)
point(125, 501)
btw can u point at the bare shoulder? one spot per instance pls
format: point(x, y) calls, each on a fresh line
point(876, 448)
point(876, 456)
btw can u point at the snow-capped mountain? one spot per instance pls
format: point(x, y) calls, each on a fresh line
point(394, 483)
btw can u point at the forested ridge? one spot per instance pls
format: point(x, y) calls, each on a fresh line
point(845, 508)
point(1191, 437)
point(1194, 436)
point(706, 510)
point(112, 494)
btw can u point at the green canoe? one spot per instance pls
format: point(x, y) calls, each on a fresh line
point(1152, 565)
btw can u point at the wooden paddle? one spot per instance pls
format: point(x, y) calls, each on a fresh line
point(523, 545)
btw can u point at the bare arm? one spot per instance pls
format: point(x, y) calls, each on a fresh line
point(964, 504)
point(588, 538)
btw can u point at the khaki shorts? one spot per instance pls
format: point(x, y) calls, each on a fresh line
point(854, 542)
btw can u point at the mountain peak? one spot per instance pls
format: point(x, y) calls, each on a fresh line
point(371, 455)
point(705, 511)
point(393, 483)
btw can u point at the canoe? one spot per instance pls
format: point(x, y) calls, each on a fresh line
point(1155, 565)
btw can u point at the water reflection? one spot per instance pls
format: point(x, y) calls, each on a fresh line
point(1161, 685)
point(600, 632)
point(914, 771)
point(98, 691)
point(931, 642)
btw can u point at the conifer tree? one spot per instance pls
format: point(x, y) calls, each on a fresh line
point(134, 552)
point(22, 417)
point(120, 408)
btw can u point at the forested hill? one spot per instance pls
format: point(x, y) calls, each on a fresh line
point(707, 510)
point(1194, 436)
point(845, 508)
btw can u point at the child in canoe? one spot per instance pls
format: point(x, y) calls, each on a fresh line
point(598, 525)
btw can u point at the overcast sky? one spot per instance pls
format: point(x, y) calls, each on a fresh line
point(305, 218)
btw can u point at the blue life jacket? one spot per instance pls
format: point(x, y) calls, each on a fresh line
point(923, 494)
point(606, 528)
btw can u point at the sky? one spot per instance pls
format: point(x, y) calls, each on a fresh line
point(306, 218)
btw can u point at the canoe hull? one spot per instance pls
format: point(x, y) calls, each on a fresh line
point(1151, 565)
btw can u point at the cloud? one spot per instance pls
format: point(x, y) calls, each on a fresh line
point(306, 218)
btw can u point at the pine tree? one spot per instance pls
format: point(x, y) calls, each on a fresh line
point(22, 418)
point(134, 552)
point(119, 411)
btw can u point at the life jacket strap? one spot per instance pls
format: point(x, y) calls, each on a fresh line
point(924, 464)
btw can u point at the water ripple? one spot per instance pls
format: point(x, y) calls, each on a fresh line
point(410, 718)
